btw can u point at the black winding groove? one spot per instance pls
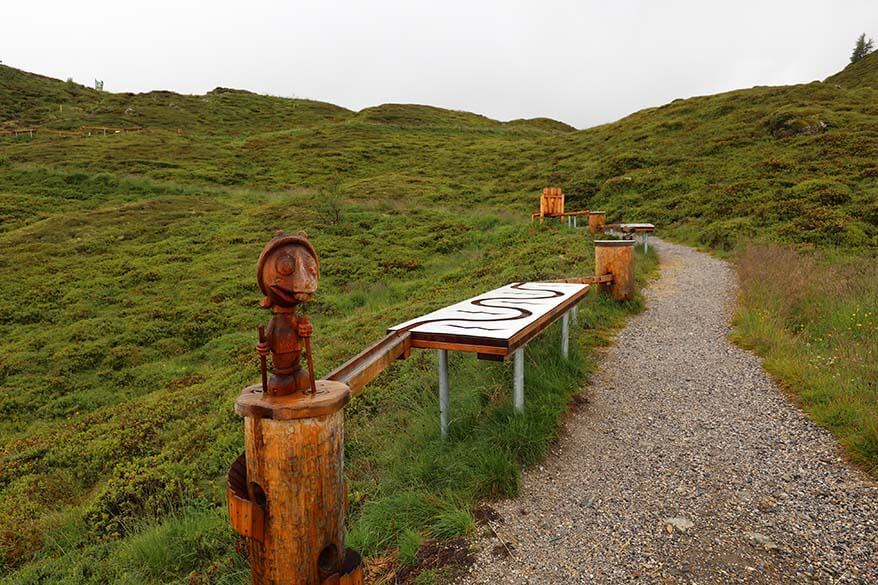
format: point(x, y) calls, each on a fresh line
point(522, 313)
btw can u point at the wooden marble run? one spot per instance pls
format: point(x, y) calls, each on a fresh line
point(286, 493)
point(496, 325)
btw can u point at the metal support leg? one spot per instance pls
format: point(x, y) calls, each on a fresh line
point(518, 391)
point(574, 222)
point(575, 315)
point(565, 334)
point(443, 391)
point(645, 243)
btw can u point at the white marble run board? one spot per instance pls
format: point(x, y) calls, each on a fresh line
point(638, 227)
point(497, 318)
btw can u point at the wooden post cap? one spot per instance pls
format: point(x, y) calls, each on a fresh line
point(613, 243)
point(330, 397)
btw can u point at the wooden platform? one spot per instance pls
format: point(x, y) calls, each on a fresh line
point(495, 323)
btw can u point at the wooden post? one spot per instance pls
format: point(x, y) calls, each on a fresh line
point(616, 257)
point(596, 221)
point(295, 480)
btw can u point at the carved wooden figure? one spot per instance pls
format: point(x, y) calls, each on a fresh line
point(287, 493)
point(287, 273)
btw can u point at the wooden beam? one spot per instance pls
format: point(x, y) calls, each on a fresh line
point(366, 365)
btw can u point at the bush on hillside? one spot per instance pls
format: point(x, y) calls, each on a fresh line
point(796, 121)
point(579, 192)
point(825, 191)
point(724, 235)
point(624, 162)
point(138, 491)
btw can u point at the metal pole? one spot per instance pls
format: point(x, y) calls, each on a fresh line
point(645, 243)
point(565, 334)
point(443, 391)
point(518, 393)
point(574, 222)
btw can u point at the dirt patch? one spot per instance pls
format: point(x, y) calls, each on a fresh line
point(452, 556)
point(486, 513)
point(578, 402)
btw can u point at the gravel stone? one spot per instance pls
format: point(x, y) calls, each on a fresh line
point(679, 524)
point(681, 423)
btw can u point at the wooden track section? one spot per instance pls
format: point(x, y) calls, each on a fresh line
point(497, 322)
point(366, 365)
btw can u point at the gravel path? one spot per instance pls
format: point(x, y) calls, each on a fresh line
point(686, 465)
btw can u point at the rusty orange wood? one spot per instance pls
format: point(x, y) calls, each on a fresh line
point(295, 462)
point(366, 365)
point(586, 279)
point(246, 515)
point(616, 258)
point(597, 221)
point(551, 203)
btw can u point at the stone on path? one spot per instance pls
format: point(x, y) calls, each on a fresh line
point(679, 524)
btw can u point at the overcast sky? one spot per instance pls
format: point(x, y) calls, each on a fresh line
point(585, 62)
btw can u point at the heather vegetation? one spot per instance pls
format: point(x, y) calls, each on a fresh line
point(128, 305)
point(128, 298)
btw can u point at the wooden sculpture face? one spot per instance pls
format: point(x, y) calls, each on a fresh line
point(290, 275)
point(288, 271)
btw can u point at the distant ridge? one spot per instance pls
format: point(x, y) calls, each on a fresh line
point(863, 73)
point(28, 99)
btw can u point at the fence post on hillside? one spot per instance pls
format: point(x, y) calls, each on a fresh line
point(596, 221)
point(287, 493)
point(615, 257)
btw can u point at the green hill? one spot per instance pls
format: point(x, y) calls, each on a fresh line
point(33, 100)
point(861, 74)
point(795, 164)
point(127, 297)
point(128, 307)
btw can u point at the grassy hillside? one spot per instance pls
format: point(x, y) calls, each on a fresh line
point(127, 297)
point(128, 308)
point(861, 74)
point(28, 100)
point(813, 317)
